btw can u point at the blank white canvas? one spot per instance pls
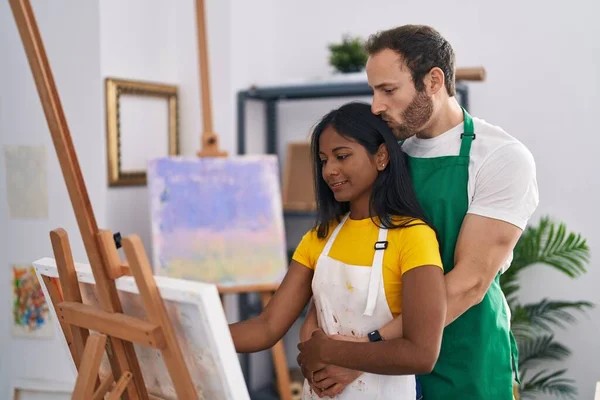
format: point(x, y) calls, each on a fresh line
point(198, 319)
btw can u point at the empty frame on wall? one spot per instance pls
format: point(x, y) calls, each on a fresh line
point(141, 124)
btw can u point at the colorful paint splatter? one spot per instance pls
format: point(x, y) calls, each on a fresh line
point(218, 220)
point(29, 308)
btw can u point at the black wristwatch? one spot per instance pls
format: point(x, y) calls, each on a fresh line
point(374, 336)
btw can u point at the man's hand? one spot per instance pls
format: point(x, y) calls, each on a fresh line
point(332, 380)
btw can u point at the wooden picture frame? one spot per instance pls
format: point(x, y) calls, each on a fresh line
point(39, 387)
point(142, 122)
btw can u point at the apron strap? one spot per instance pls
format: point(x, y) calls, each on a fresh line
point(376, 272)
point(329, 243)
point(467, 136)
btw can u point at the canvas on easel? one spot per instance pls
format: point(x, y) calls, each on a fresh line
point(195, 312)
point(218, 219)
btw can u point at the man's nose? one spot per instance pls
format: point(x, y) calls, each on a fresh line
point(377, 107)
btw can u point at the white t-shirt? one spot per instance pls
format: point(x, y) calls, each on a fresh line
point(502, 174)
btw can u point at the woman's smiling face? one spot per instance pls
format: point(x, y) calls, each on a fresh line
point(347, 168)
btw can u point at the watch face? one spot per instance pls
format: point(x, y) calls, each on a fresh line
point(374, 336)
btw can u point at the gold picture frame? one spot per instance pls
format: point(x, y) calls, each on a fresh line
point(135, 118)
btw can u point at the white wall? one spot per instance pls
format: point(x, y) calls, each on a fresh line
point(543, 87)
point(75, 61)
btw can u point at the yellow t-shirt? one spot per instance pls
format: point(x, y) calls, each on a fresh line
point(408, 248)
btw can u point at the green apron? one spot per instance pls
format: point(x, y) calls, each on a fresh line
point(478, 354)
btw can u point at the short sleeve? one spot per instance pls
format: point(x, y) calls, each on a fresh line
point(419, 247)
point(306, 251)
point(506, 186)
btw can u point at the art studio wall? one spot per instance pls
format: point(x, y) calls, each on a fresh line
point(541, 86)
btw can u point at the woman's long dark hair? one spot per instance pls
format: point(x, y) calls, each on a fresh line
point(393, 194)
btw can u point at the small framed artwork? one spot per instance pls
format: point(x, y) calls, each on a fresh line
point(141, 124)
point(39, 389)
point(30, 311)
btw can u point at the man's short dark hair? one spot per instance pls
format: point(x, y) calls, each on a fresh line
point(421, 48)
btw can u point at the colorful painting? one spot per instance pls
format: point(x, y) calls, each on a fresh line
point(199, 322)
point(218, 220)
point(29, 307)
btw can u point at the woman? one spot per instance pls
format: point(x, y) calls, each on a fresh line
point(370, 256)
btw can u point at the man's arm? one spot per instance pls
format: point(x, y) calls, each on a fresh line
point(483, 246)
point(310, 323)
point(506, 195)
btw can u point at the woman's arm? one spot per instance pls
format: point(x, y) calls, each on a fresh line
point(423, 317)
point(262, 332)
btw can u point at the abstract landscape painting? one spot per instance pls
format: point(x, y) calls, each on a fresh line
point(217, 220)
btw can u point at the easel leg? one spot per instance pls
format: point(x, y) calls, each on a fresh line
point(70, 287)
point(279, 360)
point(90, 365)
point(103, 388)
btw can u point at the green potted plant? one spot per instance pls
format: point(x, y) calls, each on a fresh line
point(550, 245)
point(349, 55)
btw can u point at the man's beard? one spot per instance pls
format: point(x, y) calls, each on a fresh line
point(417, 114)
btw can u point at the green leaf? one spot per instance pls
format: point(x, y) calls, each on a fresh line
point(531, 318)
point(549, 244)
point(549, 383)
point(349, 55)
point(532, 351)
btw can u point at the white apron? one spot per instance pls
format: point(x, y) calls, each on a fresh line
point(350, 300)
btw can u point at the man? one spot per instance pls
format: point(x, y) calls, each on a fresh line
point(477, 184)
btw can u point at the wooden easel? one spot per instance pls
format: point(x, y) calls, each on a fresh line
point(116, 330)
point(210, 148)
